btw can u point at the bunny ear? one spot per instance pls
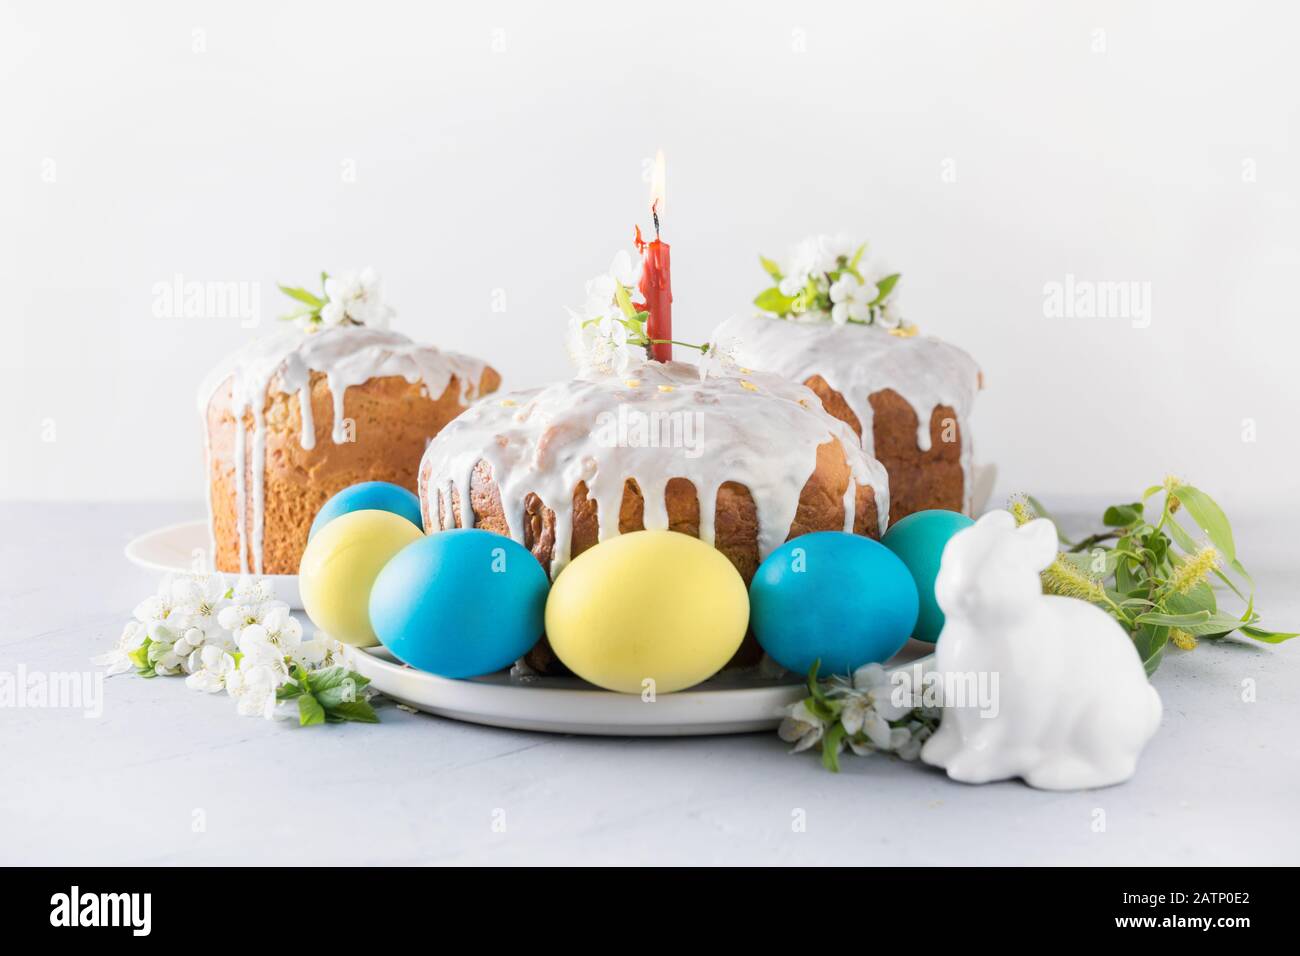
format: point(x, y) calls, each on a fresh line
point(997, 519)
point(1041, 540)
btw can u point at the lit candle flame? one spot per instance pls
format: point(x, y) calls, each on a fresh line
point(658, 191)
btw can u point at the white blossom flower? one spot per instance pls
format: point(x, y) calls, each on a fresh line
point(918, 734)
point(889, 315)
point(320, 652)
point(254, 687)
point(118, 660)
point(209, 672)
point(355, 296)
point(251, 590)
point(600, 344)
point(252, 603)
point(832, 250)
point(195, 617)
point(272, 642)
point(791, 285)
point(874, 682)
point(852, 299)
point(719, 359)
point(890, 739)
point(625, 270)
point(333, 312)
point(807, 258)
point(158, 607)
point(162, 653)
point(801, 727)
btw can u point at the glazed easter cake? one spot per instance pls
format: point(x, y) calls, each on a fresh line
point(299, 415)
point(832, 322)
point(742, 461)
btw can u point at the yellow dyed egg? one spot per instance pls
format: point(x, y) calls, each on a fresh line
point(649, 610)
point(340, 565)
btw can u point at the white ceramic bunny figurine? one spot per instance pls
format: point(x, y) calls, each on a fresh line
point(1073, 709)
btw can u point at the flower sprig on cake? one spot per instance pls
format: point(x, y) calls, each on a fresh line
point(831, 278)
point(241, 640)
point(609, 336)
point(351, 299)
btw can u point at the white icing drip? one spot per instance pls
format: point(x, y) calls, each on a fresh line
point(654, 423)
point(284, 363)
point(241, 493)
point(850, 506)
point(308, 437)
point(858, 361)
point(259, 482)
point(211, 563)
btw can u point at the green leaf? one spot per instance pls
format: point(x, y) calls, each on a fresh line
point(857, 258)
point(624, 300)
point(831, 748)
point(302, 295)
point(294, 314)
point(1121, 516)
point(771, 268)
point(288, 691)
point(310, 711)
point(1185, 621)
point(1268, 637)
point(331, 677)
point(885, 286)
point(1217, 624)
point(357, 710)
point(1199, 598)
point(326, 678)
point(140, 657)
point(814, 686)
point(772, 300)
point(1150, 643)
point(1209, 517)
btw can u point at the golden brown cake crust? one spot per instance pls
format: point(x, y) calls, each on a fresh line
point(393, 422)
point(918, 480)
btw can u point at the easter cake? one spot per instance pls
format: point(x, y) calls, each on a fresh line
point(297, 416)
point(832, 322)
point(741, 460)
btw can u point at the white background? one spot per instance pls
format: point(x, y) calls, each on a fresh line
point(501, 147)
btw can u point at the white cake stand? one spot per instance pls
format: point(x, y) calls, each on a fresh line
point(179, 548)
point(734, 702)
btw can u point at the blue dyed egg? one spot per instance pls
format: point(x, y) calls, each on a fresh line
point(919, 540)
point(460, 603)
point(369, 496)
point(839, 598)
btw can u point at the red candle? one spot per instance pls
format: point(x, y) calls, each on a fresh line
point(656, 278)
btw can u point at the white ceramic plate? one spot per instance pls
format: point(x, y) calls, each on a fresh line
point(181, 547)
point(734, 702)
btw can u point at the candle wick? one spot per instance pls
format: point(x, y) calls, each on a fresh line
point(654, 213)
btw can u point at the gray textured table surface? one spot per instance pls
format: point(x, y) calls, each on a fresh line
point(168, 776)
